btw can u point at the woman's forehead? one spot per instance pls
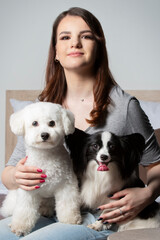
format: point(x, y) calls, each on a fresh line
point(72, 23)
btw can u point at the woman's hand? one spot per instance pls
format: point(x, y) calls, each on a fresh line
point(129, 202)
point(28, 177)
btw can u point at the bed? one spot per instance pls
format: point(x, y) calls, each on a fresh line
point(150, 100)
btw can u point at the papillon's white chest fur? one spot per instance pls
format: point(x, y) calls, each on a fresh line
point(96, 185)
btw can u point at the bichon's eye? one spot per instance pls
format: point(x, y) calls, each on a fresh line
point(51, 123)
point(35, 124)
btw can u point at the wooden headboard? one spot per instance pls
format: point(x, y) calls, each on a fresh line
point(146, 95)
point(26, 95)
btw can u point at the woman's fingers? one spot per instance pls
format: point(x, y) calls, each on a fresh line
point(32, 182)
point(112, 205)
point(29, 188)
point(128, 203)
point(115, 215)
point(117, 219)
point(29, 180)
point(28, 177)
point(119, 194)
point(24, 168)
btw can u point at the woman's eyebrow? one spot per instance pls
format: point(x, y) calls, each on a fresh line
point(64, 32)
point(81, 32)
point(85, 31)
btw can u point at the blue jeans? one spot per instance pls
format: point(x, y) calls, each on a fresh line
point(50, 229)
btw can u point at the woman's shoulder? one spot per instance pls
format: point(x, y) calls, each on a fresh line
point(118, 95)
point(122, 102)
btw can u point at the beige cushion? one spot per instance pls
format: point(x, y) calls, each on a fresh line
point(138, 234)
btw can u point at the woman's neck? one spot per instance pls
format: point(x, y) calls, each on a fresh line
point(79, 98)
point(79, 87)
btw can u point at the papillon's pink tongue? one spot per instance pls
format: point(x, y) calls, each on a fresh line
point(102, 167)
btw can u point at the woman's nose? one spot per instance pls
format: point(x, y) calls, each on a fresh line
point(76, 43)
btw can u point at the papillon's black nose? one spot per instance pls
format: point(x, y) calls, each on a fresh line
point(104, 157)
point(44, 136)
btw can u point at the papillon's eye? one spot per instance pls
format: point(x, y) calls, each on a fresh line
point(35, 124)
point(95, 146)
point(111, 146)
point(51, 123)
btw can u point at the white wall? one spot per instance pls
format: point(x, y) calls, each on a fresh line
point(132, 29)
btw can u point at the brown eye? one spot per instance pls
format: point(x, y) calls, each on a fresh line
point(95, 146)
point(35, 124)
point(111, 146)
point(51, 123)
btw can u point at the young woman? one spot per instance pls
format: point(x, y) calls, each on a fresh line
point(78, 77)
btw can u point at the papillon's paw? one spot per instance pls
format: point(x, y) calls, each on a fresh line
point(98, 226)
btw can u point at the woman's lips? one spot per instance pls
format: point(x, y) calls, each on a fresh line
point(75, 54)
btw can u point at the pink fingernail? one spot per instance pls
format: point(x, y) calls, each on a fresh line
point(36, 187)
point(26, 157)
point(39, 170)
point(42, 180)
point(43, 175)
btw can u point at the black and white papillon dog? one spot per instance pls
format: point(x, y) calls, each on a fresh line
point(105, 164)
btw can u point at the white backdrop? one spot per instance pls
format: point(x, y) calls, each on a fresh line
point(132, 30)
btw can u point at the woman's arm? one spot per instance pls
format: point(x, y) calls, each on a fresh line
point(8, 178)
point(153, 180)
point(21, 176)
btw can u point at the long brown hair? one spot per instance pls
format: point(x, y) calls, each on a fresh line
point(56, 87)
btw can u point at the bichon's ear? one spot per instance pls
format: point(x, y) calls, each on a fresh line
point(68, 121)
point(17, 123)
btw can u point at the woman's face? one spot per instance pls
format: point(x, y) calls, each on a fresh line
point(76, 46)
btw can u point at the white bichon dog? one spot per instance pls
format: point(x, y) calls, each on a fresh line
point(44, 126)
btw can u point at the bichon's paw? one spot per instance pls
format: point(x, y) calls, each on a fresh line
point(78, 219)
point(20, 230)
point(74, 219)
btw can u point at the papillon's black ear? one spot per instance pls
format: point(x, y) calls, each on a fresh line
point(76, 143)
point(133, 146)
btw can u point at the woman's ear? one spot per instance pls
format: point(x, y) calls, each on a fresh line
point(56, 55)
point(17, 123)
point(56, 59)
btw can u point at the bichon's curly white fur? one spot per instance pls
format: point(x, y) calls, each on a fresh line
point(44, 126)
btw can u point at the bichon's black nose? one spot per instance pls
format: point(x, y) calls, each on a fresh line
point(104, 157)
point(44, 136)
